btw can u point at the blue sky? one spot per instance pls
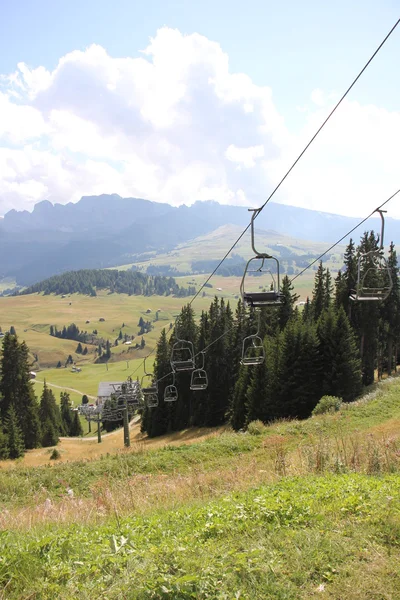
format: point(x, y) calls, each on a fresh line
point(293, 48)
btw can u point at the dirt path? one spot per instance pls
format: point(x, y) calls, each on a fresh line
point(62, 387)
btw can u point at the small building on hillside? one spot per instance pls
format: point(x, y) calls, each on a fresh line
point(106, 389)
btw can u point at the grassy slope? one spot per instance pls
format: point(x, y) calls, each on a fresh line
point(32, 316)
point(300, 509)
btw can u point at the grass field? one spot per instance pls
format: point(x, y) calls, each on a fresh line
point(295, 511)
point(32, 316)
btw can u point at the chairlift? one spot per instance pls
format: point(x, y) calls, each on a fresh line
point(182, 355)
point(259, 265)
point(151, 400)
point(129, 393)
point(253, 352)
point(148, 384)
point(199, 380)
point(374, 279)
point(171, 391)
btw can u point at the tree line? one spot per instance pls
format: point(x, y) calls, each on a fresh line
point(25, 421)
point(333, 346)
point(87, 281)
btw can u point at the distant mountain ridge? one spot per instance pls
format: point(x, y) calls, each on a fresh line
point(107, 230)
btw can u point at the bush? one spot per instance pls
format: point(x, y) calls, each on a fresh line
point(327, 404)
point(55, 455)
point(256, 427)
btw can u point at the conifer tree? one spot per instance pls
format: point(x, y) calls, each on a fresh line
point(65, 409)
point(76, 426)
point(16, 389)
point(157, 420)
point(15, 438)
point(285, 310)
point(50, 417)
point(390, 310)
point(346, 372)
point(298, 392)
point(238, 409)
point(318, 302)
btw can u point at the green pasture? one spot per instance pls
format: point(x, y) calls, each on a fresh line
point(32, 316)
point(88, 379)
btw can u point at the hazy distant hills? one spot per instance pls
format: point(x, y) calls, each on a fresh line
point(107, 230)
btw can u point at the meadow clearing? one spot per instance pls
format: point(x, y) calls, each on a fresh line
point(293, 510)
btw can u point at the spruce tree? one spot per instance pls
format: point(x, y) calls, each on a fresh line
point(346, 372)
point(50, 417)
point(319, 300)
point(285, 310)
point(16, 389)
point(156, 421)
point(66, 417)
point(15, 438)
point(76, 426)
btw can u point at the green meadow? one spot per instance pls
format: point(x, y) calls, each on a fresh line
point(293, 510)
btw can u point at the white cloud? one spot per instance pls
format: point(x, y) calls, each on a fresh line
point(176, 125)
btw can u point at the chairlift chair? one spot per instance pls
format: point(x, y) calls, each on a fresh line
point(199, 380)
point(253, 352)
point(182, 355)
point(261, 264)
point(374, 279)
point(151, 400)
point(148, 384)
point(171, 391)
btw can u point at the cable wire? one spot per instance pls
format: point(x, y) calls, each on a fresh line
point(298, 275)
point(288, 172)
point(299, 157)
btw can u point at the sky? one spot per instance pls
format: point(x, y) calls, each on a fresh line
point(179, 101)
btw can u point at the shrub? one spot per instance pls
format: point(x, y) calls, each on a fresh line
point(256, 427)
point(55, 455)
point(327, 404)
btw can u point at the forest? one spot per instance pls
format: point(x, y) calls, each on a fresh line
point(333, 346)
point(87, 281)
point(25, 422)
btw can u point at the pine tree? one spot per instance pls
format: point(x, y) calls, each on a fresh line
point(15, 438)
point(65, 409)
point(285, 310)
point(298, 380)
point(390, 311)
point(346, 372)
point(16, 389)
point(4, 449)
point(156, 421)
point(76, 427)
point(50, 416)
point(79, 349)
point(238, 409)
point(318, 302)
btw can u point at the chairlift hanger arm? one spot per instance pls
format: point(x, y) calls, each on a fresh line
point(380, 211)
point(262, 255)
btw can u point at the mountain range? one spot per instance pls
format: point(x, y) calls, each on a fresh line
point(107, 230)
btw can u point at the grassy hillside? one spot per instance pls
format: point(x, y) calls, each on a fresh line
point(33, 314)
point(215, 244)
point(293, 510)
